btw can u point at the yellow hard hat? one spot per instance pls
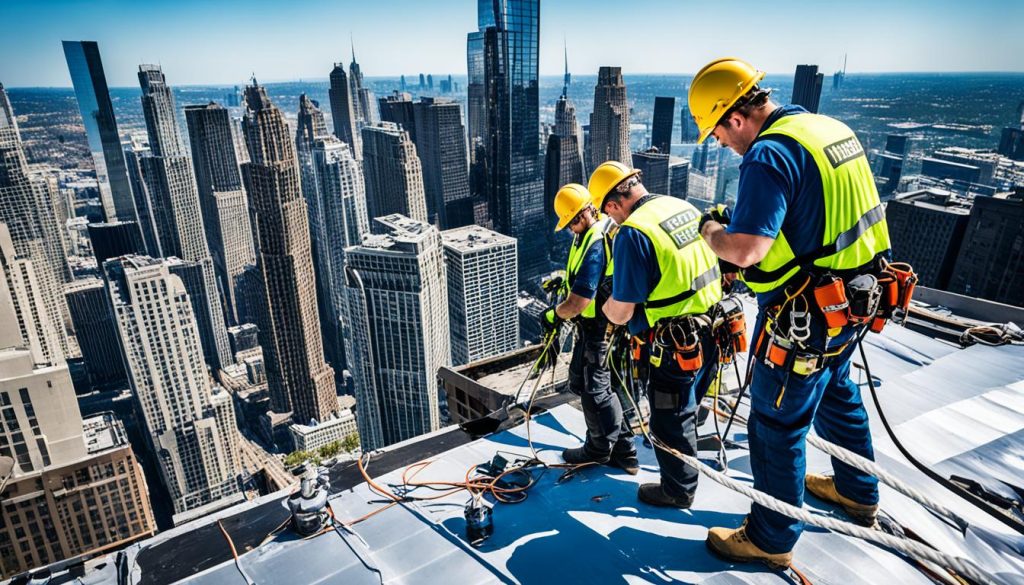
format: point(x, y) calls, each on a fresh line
point(605, 177)
point(569, 201)
point(716, 88)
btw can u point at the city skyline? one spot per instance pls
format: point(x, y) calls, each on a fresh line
point(976, 38)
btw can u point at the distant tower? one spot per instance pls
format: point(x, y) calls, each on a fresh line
point(343, 110)
point(655, 165)
point(430, 82)
point(177, 208)
point(86, 68)
point(189, 426)
point(364, 104)
point(300, 381)
point(441, 145)
point(90, 314)
point(401, 84)
point(482, 310)
point(563, 160)
point(661, 126)
point(398, 329)
point(423, 82)
point(398, 108)
point(609, 122)
point(807, 87)
point(839, 77)
point(393, 172)
point(27, 207)
point(223, 199)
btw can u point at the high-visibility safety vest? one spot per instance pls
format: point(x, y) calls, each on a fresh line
point(855, 228)
point(690, 281)
point(595, 236)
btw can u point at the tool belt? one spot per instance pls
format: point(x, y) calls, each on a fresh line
point(866, 297)
point(730, 328)
point(678, 338)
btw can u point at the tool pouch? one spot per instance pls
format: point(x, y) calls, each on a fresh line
point(906, 280)
point(690, 359)
point(831, 299)
point(863, 294)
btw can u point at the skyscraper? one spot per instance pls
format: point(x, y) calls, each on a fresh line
point(563, 162)
point(398, 108)
point(26, 296)
point(134, 152)
point(86, 68)
point(609, 122)
point(991, 261)
point(189, 426)
point(222, 197)
point(703, 179)
point(678, 178)
point(397, 329)
point(482, 311)
point(90, 314)
point(75, 487)
point(393, 173)
point(654, 165)
point(661, 126)
point(177, 208)
point(926, 228)
point(504, 123)
point(299, 380)
point(343, 107)
point(687, 127)
point(364, 104)
point(26, 206)
point(807, 87)
point(332, 184)
point(440, 140)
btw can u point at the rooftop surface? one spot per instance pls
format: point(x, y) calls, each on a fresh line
point(961, 410)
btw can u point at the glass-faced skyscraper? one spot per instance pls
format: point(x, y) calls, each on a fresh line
point(504, 126)
point(90, 83)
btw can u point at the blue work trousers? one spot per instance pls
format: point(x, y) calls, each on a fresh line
point(831, 401)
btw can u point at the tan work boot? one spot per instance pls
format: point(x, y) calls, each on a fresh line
point(824, 488)
point(734, 544)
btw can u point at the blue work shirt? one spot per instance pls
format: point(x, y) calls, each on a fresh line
point(636, 273)
point(780, 190)
point(588, 278)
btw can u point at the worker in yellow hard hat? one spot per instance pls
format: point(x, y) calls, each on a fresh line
point(586, 286)
point(665, 285)
point(807, 223)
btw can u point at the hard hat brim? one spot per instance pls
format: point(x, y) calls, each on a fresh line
point(742, 92)
point(564, 221)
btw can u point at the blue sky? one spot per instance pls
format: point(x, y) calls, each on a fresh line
point(224, 41)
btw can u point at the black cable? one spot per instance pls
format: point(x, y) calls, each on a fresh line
point(944, 482)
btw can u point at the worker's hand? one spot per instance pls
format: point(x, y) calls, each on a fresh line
point(550, 321)
point(552, 284)
point(719, 213)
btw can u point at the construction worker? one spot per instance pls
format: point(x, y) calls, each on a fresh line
point(609, 439)
point(807, 215)
point(666, 280)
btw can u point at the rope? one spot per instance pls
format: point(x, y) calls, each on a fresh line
point(912, 549)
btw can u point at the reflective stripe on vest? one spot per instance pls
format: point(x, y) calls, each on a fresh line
point(689, 282)
point(855, 229)
point(578, 251)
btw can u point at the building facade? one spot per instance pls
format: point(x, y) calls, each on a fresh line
point(926, 228)
point(991, 260)
point(807, 87)
point(609, 122)
point(440, 140)
point(661, 125)
point(654, 164)
point(343, 115)
point(397, 329)
point(393, 173)
point(98, 341)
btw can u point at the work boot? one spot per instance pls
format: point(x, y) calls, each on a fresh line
point(824, 488)
point(580, 456)
point(653, 494)
point(626, 462)
point(733, 544)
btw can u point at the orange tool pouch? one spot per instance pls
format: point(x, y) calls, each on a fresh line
point(690, 359)
point(738, 331)
point(831, 299)
point(906, 280)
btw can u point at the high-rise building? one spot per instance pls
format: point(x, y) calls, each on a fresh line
point(440, 140)
point(609, 122)
point(482, 290)
point(991, 260)
point(679, 178)
point(839, 77)
point(113, 239)
point(26, 295)
point(134, 152)
point(654, 165)
point(926, 228)
point(890, 169)
point(563, 161)
point(807, 87)
point(343, 107)
point(401, 87)
point(364, 104)
point(177, 208)
point(397, 329)
point(332, 184)
point(299, 380)
point(90, 83)
point(222, 197)
point(661, 126)
point(97, 338)
point(189, 425)
point(703, 179)
point(27, 207)
point(398, 108)
point(898, 144)
point(430, 82)
point(75, 488)
point(688, 132)
point(393, 173)
point(504, 124)
point(423, 82)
